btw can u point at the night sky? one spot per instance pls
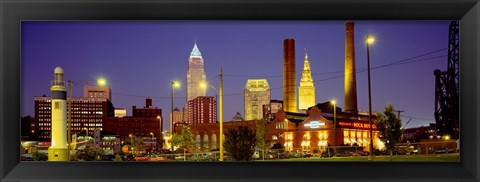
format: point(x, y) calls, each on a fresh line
point(139, 59)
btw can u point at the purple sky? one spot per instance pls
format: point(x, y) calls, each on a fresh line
point(141, 58)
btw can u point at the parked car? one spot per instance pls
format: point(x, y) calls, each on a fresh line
point(284, 156)
point(256, 155)
point(108, 157)
point(179, 157)
point(327, 154)
point(344, 154)
point(157, 158)
point(381, 152)
point(142, 158)
point(306, 155)
point(399, 152)
point(270, 156)
point(128, 157)
point(359, 153)
point(443, 150)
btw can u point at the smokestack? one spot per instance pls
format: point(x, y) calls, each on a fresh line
point(350, 75)
point(148, 102)
point(289, 80)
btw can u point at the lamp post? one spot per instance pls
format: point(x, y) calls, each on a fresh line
point(220, 93)
point(131, 139)
point(334, 102)
point(370, 40)
point(175, 84)
point(160, 128)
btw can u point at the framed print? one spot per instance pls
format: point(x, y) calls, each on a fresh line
point(239, 90)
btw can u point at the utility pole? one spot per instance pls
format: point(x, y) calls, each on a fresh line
point(69, 131)
point(221, 114)
point(398, 111)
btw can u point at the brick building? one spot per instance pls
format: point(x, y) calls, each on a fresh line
point(87, 114)
point(202, 110)
point(145, 122)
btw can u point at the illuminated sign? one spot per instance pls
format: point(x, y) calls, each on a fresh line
point(314, 124)
point(356, 125)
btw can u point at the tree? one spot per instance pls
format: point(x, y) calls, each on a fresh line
point(184, 140)
point(136, 143)
point(240, 143)
point(117, 158)
point(277, 145)
point(261, 135)
point(37, 156)
point(389, 124)
point(89, 153)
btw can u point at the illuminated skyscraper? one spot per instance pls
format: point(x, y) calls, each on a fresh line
point(306, 90)
point(256, 94)
point(195, 74)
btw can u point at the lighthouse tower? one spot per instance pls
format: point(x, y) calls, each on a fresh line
point(59, 150)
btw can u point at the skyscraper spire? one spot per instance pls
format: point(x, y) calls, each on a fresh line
point(195, 50)
point(306, 90)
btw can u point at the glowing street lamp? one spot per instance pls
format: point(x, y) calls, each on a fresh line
point(334, 103)
point(175, 84)
point(204, 85)
point(101, 81)
point(370, 40)
point(131, 139)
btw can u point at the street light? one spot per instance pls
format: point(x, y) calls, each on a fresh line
point(204, 85)
point(370, 40)
point(161, 127)
point(131, 139)
point(175, 84)
point(334, 102)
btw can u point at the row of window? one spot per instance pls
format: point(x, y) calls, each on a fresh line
point(44, 124)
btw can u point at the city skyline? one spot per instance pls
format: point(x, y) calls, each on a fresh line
point(140, 59)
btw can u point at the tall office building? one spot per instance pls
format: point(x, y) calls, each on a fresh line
point(202, 110)
point(195, 74)
point(306, 90)
point(256, 94)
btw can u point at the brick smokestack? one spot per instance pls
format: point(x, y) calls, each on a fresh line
point(289, 78)
point(350, 74)
point(148, 102)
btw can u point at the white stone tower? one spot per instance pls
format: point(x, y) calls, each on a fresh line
point(58, 151)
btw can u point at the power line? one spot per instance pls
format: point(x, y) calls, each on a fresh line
point(396, 63)
point(333, 72)
point(361, 70)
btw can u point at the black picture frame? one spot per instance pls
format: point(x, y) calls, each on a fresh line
point(14, 11)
